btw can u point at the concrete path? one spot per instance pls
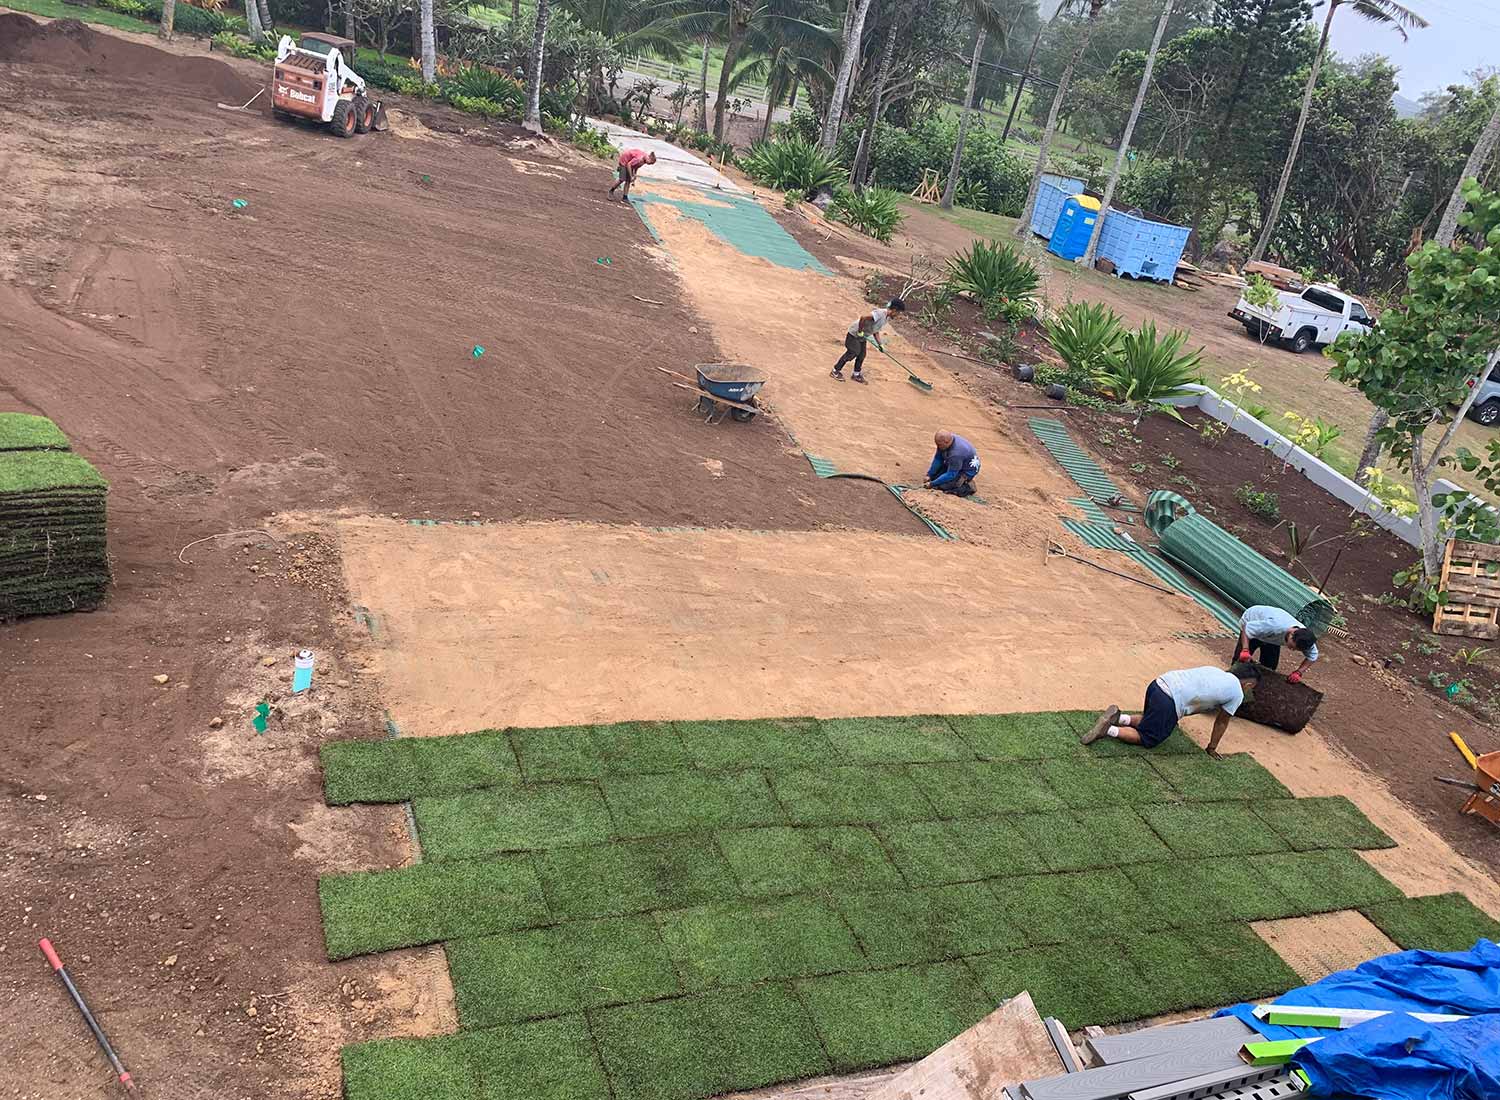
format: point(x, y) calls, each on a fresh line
point(673, 163)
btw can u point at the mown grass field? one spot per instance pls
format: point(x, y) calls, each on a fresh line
point(674, 910)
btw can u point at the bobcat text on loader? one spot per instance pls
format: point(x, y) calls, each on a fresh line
point(313, 79)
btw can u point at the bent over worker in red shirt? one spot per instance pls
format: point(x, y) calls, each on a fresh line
point(630, 163)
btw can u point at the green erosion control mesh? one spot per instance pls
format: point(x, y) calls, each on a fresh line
point(739, 221)
point(1230, 567)
point(674, 910)
point(52, 522)
point(824, 467)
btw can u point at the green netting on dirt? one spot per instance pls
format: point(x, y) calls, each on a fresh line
point(27, 432)
point(703, 907)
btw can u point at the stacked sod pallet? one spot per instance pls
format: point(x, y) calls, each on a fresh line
point(52, 541)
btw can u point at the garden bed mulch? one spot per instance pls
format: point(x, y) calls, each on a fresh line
point(1385, 674)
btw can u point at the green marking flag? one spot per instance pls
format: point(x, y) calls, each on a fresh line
point(262, 712)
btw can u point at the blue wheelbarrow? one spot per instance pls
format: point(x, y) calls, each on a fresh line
point(724, 388)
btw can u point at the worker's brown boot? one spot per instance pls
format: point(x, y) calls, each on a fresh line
point(1101, 727)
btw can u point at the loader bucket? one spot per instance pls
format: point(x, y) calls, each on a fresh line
point(381, 123)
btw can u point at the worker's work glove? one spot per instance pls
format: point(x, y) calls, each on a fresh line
point(1295, 678)
point(1244, 654)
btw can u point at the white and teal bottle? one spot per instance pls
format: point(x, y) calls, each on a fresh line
point(302, 669)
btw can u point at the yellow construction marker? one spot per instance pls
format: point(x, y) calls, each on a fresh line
point(1459, 741)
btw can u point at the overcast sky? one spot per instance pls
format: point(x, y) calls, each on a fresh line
point(1464, 35)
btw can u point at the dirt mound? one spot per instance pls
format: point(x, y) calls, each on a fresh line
point(69, 44)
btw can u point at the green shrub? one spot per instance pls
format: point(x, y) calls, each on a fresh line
point(125, 7)
point(477, 82)
point(413, 86)
point(1151, 368)
point(873, 211)
point(1265, 505)
point(1089, 337)
point(186, 19)
point(476, 105)
point(973, 194)
point(232, 44)
point(381, 73)
point(1260, 293)
point(791, 164)
point(992, 272)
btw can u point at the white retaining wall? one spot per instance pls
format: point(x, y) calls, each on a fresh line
point(1314, 469)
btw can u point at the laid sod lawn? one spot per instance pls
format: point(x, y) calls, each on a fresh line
point(1440, 922)
point(673, 910)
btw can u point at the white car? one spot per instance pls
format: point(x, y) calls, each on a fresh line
point(1486, 407)
point(1314, 318)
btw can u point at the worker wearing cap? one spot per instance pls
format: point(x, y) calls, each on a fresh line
point(1175, 695)
point(1265, 629)
point(954, 466)
point(866, 328)
point(629, 164)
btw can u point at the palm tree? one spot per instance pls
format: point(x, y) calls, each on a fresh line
point(877, 97)
point(854, 33)
point(987, 20)
point(1376, 11)
point(168, 13)
point(429, 45)
point(779, 68)
point(252, 22)
point(534, 73)
point(1135, 114)
point(1023, 227)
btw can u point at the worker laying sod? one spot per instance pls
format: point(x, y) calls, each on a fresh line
point(1175, 695)
point(1264, 630)
point(682, 909)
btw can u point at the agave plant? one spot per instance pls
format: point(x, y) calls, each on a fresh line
point(1088, 336)
point(791, 164)
point(1150, 369)
point(992, 272)
point(873, 211)
point(477, 82)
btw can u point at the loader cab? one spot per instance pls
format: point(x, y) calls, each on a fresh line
point(314, 42)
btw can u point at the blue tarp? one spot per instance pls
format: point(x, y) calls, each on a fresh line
point(1396, 1057)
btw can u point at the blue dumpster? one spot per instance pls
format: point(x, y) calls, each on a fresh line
point(1075, 225)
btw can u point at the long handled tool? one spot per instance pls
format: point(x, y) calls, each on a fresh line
point(88, 1017)
point(1057, 550)
point(245, 106)
point(925, 387)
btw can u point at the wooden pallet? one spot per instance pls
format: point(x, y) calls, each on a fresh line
point(930, 190)
point(1471, 581)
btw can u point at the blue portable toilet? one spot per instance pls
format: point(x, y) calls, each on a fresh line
point(1075, 225)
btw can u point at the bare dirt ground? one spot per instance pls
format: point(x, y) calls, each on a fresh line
point(264, 378)
point(223, 369)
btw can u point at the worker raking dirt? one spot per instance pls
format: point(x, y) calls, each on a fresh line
point(862, 331)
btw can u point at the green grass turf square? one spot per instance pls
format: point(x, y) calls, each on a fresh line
point(737, 943)
point(1205, 968)
point(1081, 721)
point(927, 853)
point(778, 744)
point(1182, 891)
point(1016, 736)
point(1087, 982)
point(510, 819)
point(690, 801)
point(1085, 783)
point(1308, 824)
point(378, 910)
point(591, 752)
point(542, 1060)
point(880, 1017)
point(1201, 778)
point(29, 432)
point(912, 740)
point(972, 789)
point(1320, 882)
point(605, 880)
point(399, 769)
point(917, 926)
point(1198, 830)
point(41, 471)
point(707, 1044)
point(850, 796)
point(550, 971)
point(774, 861)
point(1439, 922)
point(996, 846)
point(1048, 909)
point(1078, 840)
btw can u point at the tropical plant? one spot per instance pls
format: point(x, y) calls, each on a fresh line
point(873, 211)
point(478, 82)
point(1088, 336)
point(1387, 12)
point(1260, 293)
point(791, 164)
point(1265, 504)
point(1151, 369)
point(974, 195)
point(1313, 434)
point(991, 272)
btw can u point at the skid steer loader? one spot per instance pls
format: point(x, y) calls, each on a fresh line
point(314, 79)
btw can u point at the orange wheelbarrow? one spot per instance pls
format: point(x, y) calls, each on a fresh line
point(1484, 798)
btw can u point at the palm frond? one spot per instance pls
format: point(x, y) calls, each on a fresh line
point(1391, 13)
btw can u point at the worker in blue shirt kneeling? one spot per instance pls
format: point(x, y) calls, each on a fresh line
point(954, 467)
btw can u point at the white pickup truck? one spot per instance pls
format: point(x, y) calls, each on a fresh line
point(1313, 318)
point(1486, 407)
